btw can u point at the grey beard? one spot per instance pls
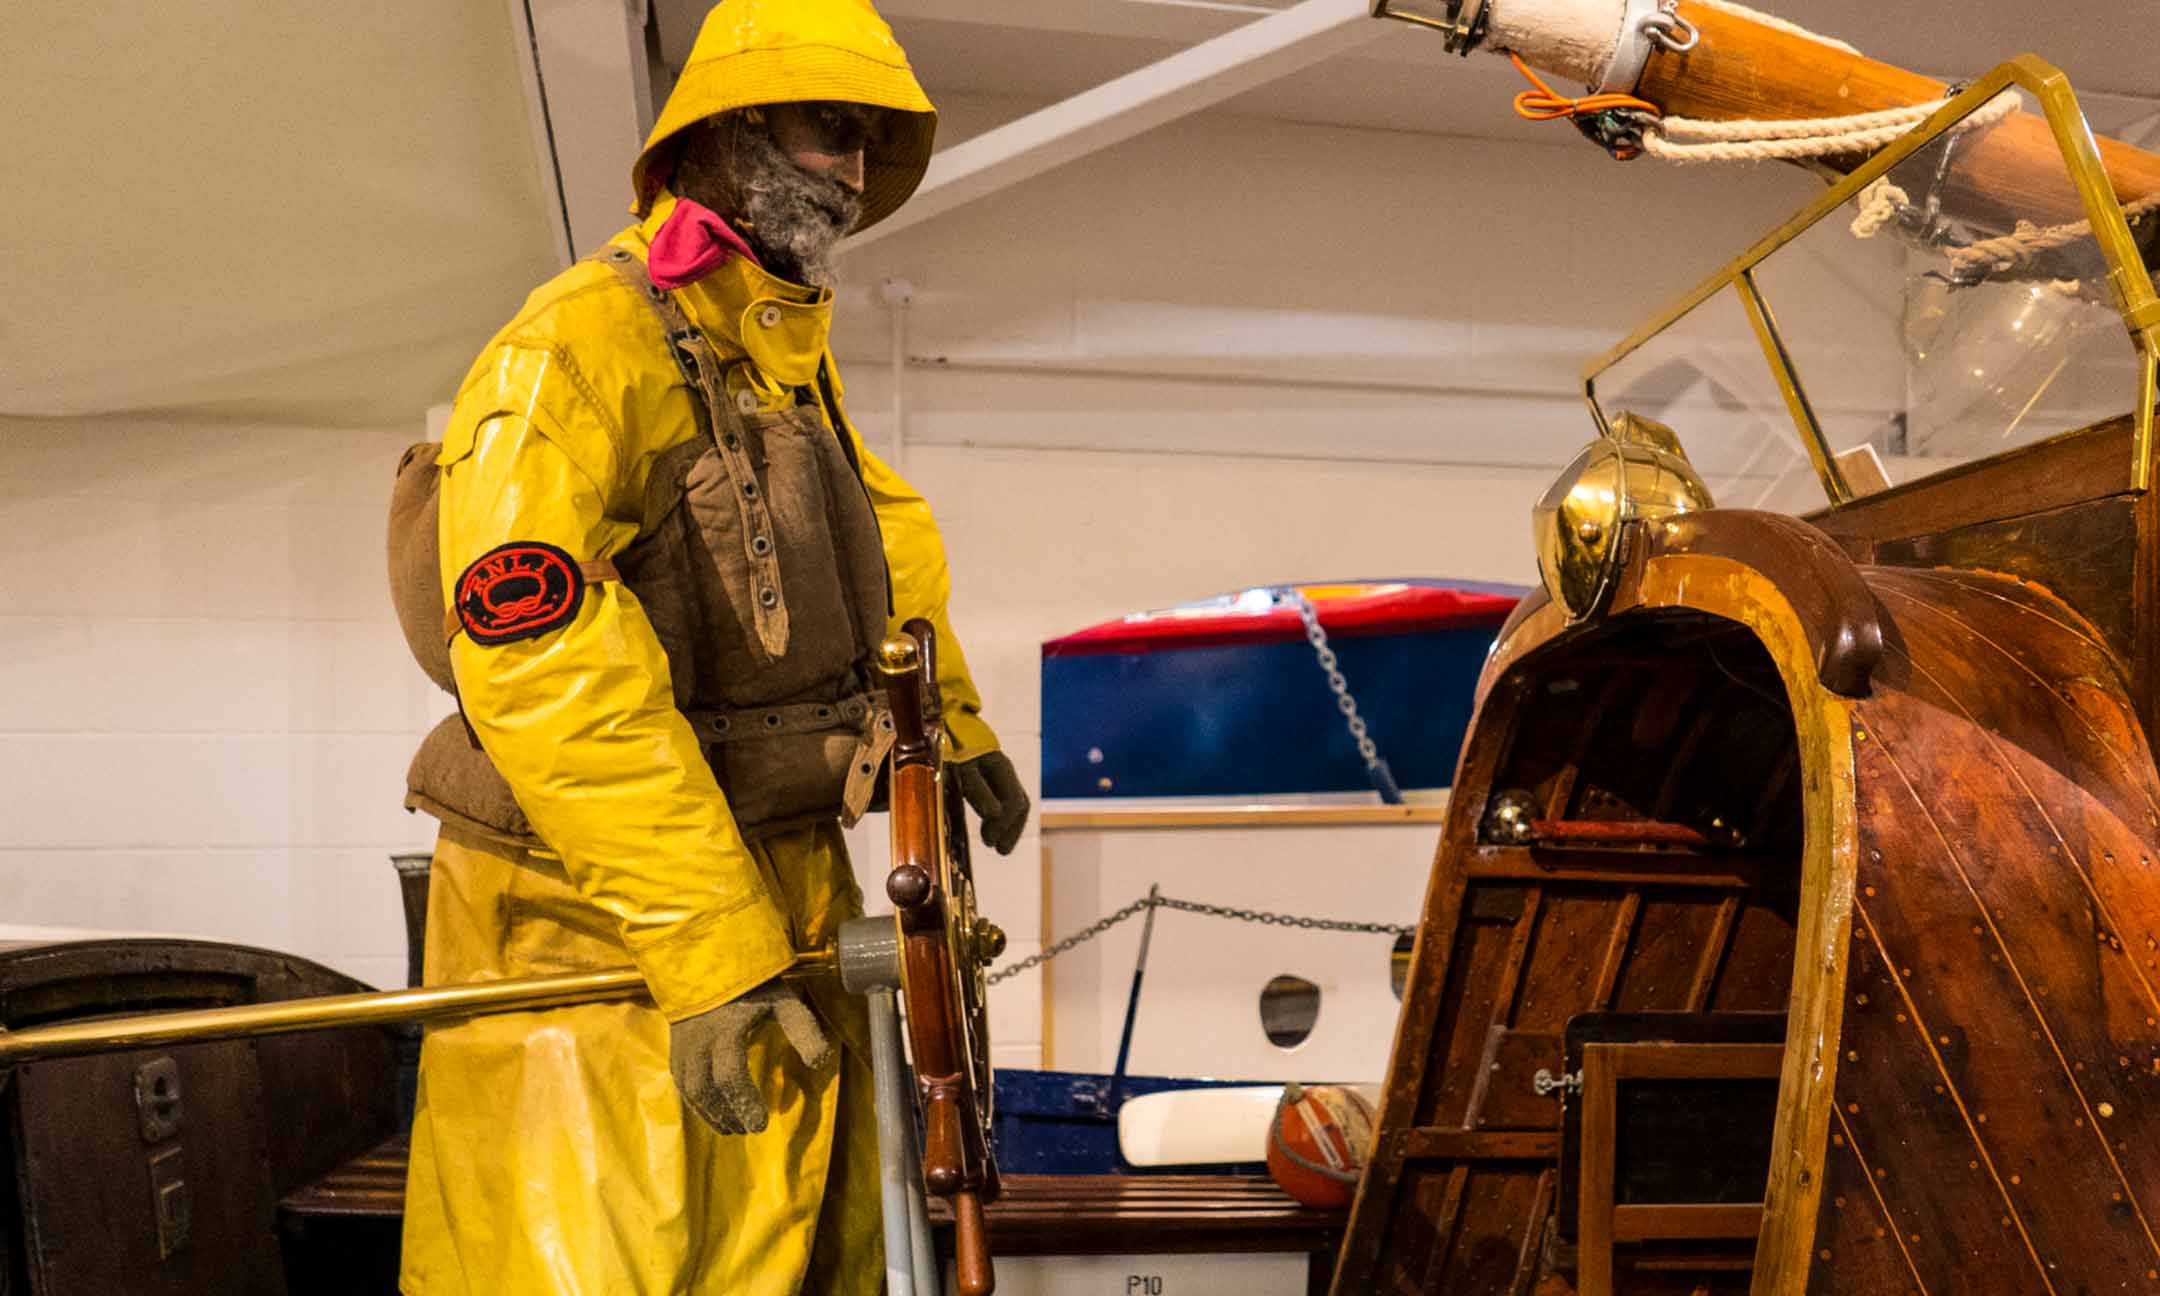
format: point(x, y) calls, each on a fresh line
point(793, 219)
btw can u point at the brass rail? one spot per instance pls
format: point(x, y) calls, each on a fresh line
point(324, 1012)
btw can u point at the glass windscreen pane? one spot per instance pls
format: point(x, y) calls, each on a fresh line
point(1705, 377)
point(1955, 309)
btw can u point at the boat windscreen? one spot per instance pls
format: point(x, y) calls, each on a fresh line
point(1941, 317)
point(1706, 377)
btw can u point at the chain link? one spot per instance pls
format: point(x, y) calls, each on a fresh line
point(1376, 766)
point(1144, 903)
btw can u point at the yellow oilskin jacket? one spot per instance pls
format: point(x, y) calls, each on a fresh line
point(550, 1151)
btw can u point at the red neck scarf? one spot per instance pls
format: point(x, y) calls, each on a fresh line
point(691, 243)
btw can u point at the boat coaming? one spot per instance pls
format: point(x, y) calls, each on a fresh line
point(1943, 875)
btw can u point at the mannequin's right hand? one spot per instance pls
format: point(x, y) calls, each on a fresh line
point(709, 1054)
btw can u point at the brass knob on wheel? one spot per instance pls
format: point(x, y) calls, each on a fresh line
point(898, 655)
point(989, 940)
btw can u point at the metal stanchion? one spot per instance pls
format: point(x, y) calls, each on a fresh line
point(870, 966)
point(896, 1129)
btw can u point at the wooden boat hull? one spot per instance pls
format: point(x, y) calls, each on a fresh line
point(1932, 814)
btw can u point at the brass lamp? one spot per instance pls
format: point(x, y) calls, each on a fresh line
point(1581, 526)
point(1461, 22)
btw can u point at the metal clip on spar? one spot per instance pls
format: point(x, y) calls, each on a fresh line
point(1645, 25)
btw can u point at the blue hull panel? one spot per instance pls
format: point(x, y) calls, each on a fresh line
point(1256, 719)
point(1059, 1122)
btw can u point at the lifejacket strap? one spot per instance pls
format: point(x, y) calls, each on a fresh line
point(863, 714)
point(694, 355)
point(859, 713)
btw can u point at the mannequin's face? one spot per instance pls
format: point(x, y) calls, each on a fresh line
point(825, 139)
point(789, 177)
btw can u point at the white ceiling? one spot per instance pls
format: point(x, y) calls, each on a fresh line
point(1036, 51)
point(224, 209)
point(314, 213)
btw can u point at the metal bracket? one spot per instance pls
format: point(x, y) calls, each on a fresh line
point(1645, 25)
point(169, 1202)
point(1545, 1083)
point(2140, 319)
point(157, 1099)
point(1461, 30)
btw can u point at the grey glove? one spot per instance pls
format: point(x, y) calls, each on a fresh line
point(709, 1054)
point(992, 786)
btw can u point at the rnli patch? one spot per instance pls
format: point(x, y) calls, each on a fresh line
point(518, 591)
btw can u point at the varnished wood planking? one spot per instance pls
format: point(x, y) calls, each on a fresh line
point(1934, 1181)
point(2081, 554)
point(2026, 681)
point(1856, 1253)
point(1987, 921)
point(1669, 941)
point(2059, 971)
point(1474, 989)
point(2024, 1110)
point(1712, 955)
point(1490, 1232)
point(1577, 920)
point(1531, 1259)
point(1757, 975)
point(2078, 754)
point(2061, 471)
point(1511, 967)
point(1415, 1236)
point(1617, 941)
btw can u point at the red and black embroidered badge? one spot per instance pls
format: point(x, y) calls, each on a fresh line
point(518, 590)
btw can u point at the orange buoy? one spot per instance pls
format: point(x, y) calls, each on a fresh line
point(1318, 1143)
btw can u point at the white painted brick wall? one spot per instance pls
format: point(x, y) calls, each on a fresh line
point(205, 705)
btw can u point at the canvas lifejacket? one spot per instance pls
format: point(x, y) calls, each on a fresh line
point(761, 570)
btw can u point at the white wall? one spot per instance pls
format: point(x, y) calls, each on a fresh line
point(1199, 1012)
point(206, 710)
point(205, 704)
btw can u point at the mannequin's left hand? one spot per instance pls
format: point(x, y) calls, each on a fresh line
point(992, 787)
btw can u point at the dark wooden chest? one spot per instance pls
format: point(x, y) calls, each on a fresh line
point(156, 1171)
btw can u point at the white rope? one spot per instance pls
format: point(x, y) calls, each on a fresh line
point(1829, 137)
point(1776, 24)
point(1685, 139)
point(1692, 130)
point(2029, 242)
point(1880, 204)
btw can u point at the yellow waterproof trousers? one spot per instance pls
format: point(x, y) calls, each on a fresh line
point(551, 1154)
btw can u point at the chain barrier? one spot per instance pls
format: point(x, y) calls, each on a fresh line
point(1144, 903)
point(1376, 766)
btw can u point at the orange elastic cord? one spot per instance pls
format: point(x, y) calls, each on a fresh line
point(1547, 104)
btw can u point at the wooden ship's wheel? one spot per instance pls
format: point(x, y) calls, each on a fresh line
point(945, 946)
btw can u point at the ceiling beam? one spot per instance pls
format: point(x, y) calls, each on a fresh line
point(1187, 82)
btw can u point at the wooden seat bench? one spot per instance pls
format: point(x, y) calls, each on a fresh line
point(329, 1225)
